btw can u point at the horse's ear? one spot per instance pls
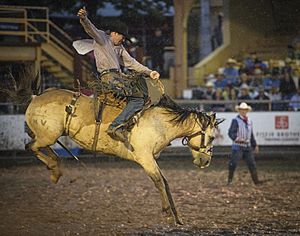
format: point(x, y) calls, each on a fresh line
point(219, 121)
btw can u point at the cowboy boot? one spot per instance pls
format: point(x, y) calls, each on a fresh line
point(230, 177)
point(255, 177)
point(117, 133)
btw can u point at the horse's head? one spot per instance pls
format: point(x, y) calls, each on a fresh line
point(200, 141)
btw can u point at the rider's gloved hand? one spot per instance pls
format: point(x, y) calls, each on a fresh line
point(82, 13)
point(154, 75)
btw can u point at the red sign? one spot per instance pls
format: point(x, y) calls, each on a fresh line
point(281, 122)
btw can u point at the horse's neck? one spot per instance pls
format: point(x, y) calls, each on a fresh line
point(182, 129)
point(174, 130)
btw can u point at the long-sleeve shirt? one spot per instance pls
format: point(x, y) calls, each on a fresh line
point(241, 130)
point(108, 55)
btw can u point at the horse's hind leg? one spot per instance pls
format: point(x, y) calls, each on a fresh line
point(55, 170)
point(50, 160)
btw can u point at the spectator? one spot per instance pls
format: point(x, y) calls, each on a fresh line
point(218, 96)
point(259, 64)
point(275, 97)
point(288, 65)
point(241, 133)
point(262, 96)
point(287, 86)
point(252, 62)
point(231, 73)
point(217, 35)
point(135, 50)
point(211, 78)
point(272, 81)
point(209, 91)
point(257, 78)
point(294, 47)
point(253, 92)
point(249, 61)
point(244, 92)
point(244, 79)
point(295, 101)
point(220, 81)
point(229, 93)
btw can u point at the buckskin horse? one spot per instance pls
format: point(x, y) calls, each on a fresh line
point(47, 120)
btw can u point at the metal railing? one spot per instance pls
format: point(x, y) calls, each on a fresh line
point(32, 24)
point(229, 105)
point(205, 105)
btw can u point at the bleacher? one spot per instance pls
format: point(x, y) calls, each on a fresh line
point(265, 84)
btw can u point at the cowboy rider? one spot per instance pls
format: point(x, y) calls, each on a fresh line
point(110, 55)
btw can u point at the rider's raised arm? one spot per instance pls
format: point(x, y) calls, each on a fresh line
point(98, 35)
point(130, 63)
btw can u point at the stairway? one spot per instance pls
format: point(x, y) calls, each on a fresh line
point(29, 38)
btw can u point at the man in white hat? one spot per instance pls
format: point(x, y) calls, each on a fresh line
point(241, 133)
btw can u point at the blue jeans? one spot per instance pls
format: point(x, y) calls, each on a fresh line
point(238, 154)
point(134, 105)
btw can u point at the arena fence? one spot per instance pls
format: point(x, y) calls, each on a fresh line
point(204, 105)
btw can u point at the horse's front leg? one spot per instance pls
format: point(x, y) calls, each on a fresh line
point(160, 182)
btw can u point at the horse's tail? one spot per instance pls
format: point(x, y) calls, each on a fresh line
point(21, 84)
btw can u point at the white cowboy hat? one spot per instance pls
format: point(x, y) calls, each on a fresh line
point(209, 84)
point(244, 86)
point(243, 106)
point(231, 61)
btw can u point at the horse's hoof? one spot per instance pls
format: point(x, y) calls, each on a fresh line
point(55, 175)
point(170, 220)
point(179, 221)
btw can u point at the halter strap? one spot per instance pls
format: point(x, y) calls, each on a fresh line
point(186, 140)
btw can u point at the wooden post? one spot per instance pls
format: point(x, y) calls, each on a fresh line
point(37, 69)
point(182, 9)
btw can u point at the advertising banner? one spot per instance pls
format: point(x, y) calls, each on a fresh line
point(270, 128)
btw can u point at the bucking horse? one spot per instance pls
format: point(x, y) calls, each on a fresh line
point(60, 112)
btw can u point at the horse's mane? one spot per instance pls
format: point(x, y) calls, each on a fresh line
point(179, 113)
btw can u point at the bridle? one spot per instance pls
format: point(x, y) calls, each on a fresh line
point(186, 140)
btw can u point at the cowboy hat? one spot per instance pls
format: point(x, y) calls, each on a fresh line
point(231, 61)
point(209, 84)
point(243, 106)
point(120, 28)
point(244, 86)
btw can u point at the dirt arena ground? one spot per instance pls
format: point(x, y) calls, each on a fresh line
point(117, 198)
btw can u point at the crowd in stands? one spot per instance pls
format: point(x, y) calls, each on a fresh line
point(254, 80)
